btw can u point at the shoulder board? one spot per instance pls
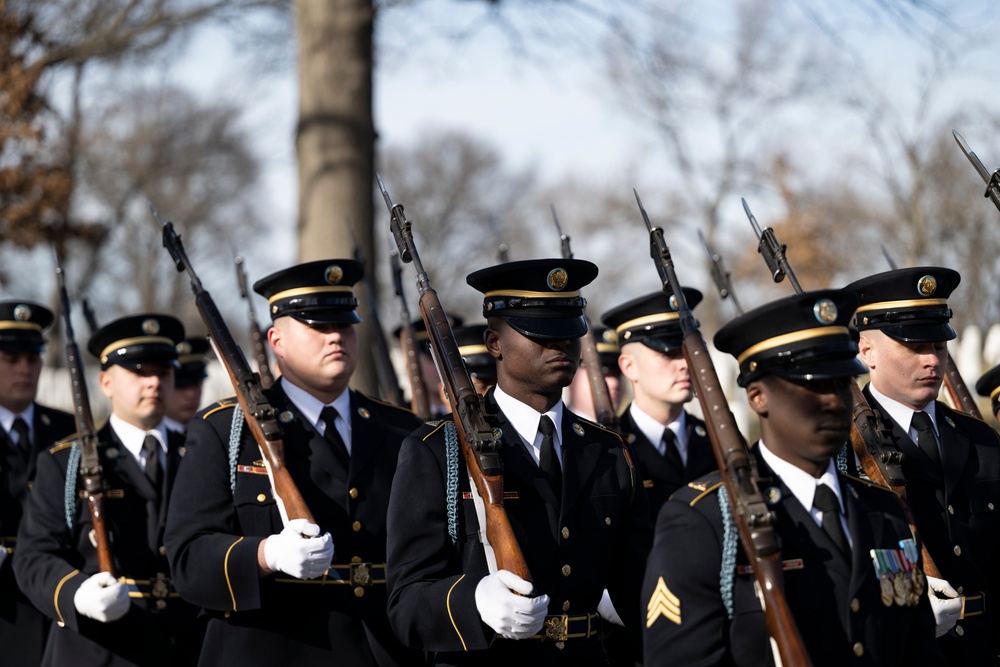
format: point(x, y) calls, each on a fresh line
point(866, 482)
point(65, 443)
point(607, 430)
point(221, 405)
point(386, 404)
point(706, 487)
point(437, 426)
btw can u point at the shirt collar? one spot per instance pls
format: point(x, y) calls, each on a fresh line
point(7, 418)
point(799, 482)
point(903, 414)
point(653, 429)
point(525, 419)
point(132, 436)
point(311, 407)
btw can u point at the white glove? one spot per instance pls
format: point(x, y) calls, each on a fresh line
point(102, 598)
point(945, 603)
point(607, 610)
point(512, 616)
point(298, 551)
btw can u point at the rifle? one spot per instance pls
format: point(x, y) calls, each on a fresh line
point(256, 339)
point(90, 463)
point(384, 371)
point(881, 459)
point(419, 401)
point(480, 442)
point(603, 408)
point(958, 391)
point(772, 251)
point(88, 314)
point(992, 180)
point(755, 522)
point(503, 255)
point(719, 274)
point(260, 414)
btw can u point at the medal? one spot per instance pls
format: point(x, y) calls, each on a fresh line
point(885, 586)
point(900, 595)
point(909, 548)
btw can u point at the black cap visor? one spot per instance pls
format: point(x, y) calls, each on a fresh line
point(660, 343)
point(832, 360)
point(920, 333)
point(548, 327)
point(325, 316)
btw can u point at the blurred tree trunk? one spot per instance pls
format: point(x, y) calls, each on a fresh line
point(335, 141)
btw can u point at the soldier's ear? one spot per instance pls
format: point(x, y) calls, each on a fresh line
point(492, 340)
point(757, 397)
point(866, 350)
point(628, 366)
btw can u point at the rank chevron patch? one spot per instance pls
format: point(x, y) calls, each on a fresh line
point(663, 603)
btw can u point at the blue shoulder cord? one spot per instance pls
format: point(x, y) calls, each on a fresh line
point(842, 460)
point(451, 490)
point(72, 468)
point(729, 543)
point(235, 431)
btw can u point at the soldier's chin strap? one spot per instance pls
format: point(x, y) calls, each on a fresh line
point(451, 453)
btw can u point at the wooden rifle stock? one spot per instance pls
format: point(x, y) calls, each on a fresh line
point(90, 463)
point(480, 442)
point(958, 392)
point(258, 412)
point(256, 339)
point(753, 519)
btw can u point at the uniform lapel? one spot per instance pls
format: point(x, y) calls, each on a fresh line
point(700, 456)
point(915, 462)
point(580, 455)
point(955, 448)
point(517, 460)
point(366, 439)
point(125, 465)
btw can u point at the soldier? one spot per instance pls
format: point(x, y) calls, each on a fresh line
point(988, 386)
point(482, 366)
point(273, 597)
point(579, 395)
point(843, 540)
point(189, 379)
point(137, 618)
point(27, 430)
point(671, 445)
point(580, 517)
point(951, 460)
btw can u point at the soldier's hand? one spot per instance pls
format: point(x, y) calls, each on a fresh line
point(512, 616)
point(299, 550)
point(945, 603)
point(102, 598)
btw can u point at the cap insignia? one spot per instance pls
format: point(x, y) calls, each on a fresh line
point(825, 311)
point(753, 366)
point(577, 429)
point(334, 274)
point(927, 285)
point(22, 313)
point(151, 327)
point(557, 279)
point(772, 494)
point(627, 335)
point(183, 347)
point(609, 336)
point(364, 413)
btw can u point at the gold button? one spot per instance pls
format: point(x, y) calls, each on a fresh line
point(355, 559)
point(565, 605)
point(261, 497)
point(566, 569)
point(990, 505)
point(359, 592)
point(227, 614)
point(353, 493)
point(959, 630)
point(356, 526)
point(61, 624)
point(560, 645)
point(855, 605)
point(162, 550)
point(161, 604)
point(859, 650)
point(951, 509)
point(607, 521)
point(957, 550)
point(565, 533)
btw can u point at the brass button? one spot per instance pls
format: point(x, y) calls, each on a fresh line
point(855, 605)
point(607, 521)
point(359, 591)
point(227, 614)
point(951, 509)
point(61, 624)
point(353, 493)
point(355, 559)
point(990, 505)
point(859, 650)
point(261, 497)
point(161, 604)
point(959, 630)
point(960, 590)
point(566, 569)
point(565, 606)
point(356, 526)
point(565, 533)
point(162, 550)
point(560, 645)
point(957, 550)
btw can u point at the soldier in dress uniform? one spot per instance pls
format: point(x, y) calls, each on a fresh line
point(850, 560)
point(671, 445)
point(26, 429)
point(579, 395)
point(571, 493)
point(189, 377)
point(988, 386)
point(481, 364)
point(137, 618)
point(951, 460)
point(275, 598)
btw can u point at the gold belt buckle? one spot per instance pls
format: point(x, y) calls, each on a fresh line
point(556, 628)
point(361, 574)
point(160, 589)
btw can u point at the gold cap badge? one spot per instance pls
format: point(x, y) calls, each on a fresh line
point(334, 274)
point(151, 327)
point(557, 279)
point(927, 285)
point(22, 313)
point(825, 311)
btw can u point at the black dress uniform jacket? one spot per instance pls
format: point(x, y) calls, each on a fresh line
point(598, 540)
point(53, 561)
point(660, 477)
point(958, 516)
point(214, 534)
point(836, 604)
point(22, 627)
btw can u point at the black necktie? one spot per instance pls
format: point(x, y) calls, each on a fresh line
point(327, 416)
point(23, 440)
point(925, 436)
point(547, 459)
point(826, 502)
point(670, 451)
point(151, 447)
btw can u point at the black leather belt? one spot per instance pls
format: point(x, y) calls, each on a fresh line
point(973, 605)
point(352, 574)
point(563, 627)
